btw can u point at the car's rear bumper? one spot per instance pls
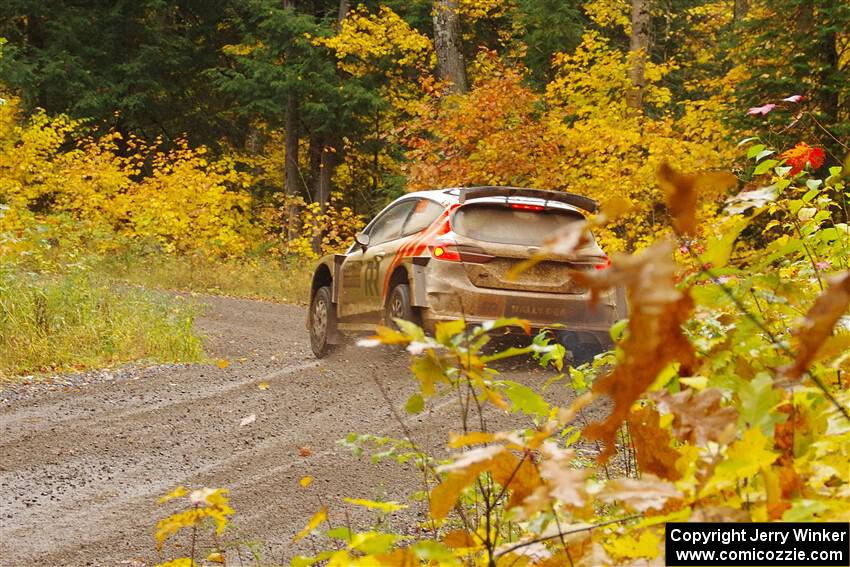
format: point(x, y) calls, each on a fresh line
point(450, 295)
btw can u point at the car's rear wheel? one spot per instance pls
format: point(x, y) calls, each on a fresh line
point(322, 322)
point(398, 306)
point(580, 351)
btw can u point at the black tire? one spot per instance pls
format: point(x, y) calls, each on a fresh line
point(579, 352)
point(322, 322)
point(398, 306)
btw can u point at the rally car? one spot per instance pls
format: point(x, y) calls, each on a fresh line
point(442, 255)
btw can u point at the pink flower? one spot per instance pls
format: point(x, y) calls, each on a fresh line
point(822, 266)
point(761, 109)
point(793, 98)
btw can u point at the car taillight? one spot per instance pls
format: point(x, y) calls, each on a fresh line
point(525, 207)
point(449, 251)
point(604, 265)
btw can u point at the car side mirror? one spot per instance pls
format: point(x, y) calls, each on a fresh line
point(362, 239)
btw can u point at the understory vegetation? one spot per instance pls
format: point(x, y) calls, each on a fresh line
point(52, 323)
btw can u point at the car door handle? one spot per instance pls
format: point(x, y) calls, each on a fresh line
point(380, 255)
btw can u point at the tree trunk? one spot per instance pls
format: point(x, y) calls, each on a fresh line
point(344, 6)
point(448, 44)
point(742, 8)
point(323, 161)
point(639, 51)
point(290, 158)
point(290, 165)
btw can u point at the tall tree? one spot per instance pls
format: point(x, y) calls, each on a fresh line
point(810, 38)
point(291, 174)
point(132, 65)
point(448, 44)
point(548, 27)
point(639, 51)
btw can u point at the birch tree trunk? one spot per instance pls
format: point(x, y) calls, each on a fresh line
point(639, 51)
point(448, 44)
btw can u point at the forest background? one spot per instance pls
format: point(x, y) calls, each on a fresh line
point(216, 145)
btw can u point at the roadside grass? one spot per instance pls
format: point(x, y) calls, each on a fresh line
point(282, 282)
point(79, 320)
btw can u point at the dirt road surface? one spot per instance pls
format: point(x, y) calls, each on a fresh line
point(84, 459)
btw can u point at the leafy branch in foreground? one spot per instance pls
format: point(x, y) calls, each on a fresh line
point(709, 388)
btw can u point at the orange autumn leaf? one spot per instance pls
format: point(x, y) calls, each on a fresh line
point(641, 495)
point(683, 191)
point(519, 476)
point(401, 557)
point(655, 337)
point(652, 444)
point(698, 418)
point(463, 471)
point(459, 539)
point(818, 323)
point(802, 155)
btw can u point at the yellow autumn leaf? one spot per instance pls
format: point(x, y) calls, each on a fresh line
point(176, 493)
point(306, 481)
point(386, 507)
point(314, 522)
point(181, 562)
point(222, 363)
point(263, 385)
point(471, 438)
point(744, 459)
point(629, 547)
point(216, 557)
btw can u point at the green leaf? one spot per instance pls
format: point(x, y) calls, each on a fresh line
point(617, 329)
point(747, 140)
point(578, 380)
point(340, 533)
point(412, 330)
point(804, 510)
point(415, 404)
point(526, 400)
point(507, 353)
point(763, 154)
point(754, 150)
point(718, 249)
point(764, 166)
point(813, 183)
point(811, 194)
point(758, 400)
point(435, 551)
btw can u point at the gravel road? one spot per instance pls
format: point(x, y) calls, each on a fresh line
point(84, 459)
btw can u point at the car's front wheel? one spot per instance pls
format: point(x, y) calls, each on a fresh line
point(398, 306)
point(322, 322)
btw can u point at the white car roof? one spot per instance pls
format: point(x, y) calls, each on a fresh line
point(451, 195)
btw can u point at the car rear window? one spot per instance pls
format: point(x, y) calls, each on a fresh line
point(507, 225)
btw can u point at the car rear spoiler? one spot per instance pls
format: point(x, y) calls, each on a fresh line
point(580, 201)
